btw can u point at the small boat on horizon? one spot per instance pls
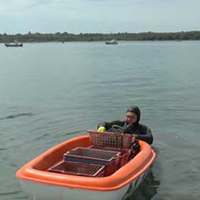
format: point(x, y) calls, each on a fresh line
point(85, 168)
point(113, 41)
point(13, 44)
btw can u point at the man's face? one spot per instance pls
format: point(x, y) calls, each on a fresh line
point(131, 118)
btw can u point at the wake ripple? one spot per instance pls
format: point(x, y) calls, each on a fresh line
point(16, 115)
point(10, 193)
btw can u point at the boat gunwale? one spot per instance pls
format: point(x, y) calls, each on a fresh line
point(123, 176)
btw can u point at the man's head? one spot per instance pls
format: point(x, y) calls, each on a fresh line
point(132, 115)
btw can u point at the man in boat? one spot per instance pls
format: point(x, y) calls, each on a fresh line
point(130, 125)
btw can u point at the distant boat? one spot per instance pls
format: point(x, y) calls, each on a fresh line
point(14, 44)
point(113, 41)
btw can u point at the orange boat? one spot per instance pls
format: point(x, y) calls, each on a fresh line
point(49, 176)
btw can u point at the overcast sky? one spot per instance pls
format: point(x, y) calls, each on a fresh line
point(98, 16)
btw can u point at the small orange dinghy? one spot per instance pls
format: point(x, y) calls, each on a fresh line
point(87, 168)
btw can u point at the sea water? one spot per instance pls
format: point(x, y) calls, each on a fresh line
point(50, 92)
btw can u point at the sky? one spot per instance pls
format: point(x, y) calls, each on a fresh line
point(98, 16)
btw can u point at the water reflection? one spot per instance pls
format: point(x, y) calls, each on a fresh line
point(147, 189)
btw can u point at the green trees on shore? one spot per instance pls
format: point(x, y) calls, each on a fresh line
point(65, 37)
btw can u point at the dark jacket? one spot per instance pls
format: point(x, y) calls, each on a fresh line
point(141, 131)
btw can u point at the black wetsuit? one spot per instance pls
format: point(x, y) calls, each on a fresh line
point(141, 131)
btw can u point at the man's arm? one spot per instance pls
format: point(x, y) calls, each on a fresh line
point(145, 134)
point(108, 125)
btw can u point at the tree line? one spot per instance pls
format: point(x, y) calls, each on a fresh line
point(66, 37)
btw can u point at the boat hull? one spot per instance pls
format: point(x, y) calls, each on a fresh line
point(40, 184)
point(14, 45)
point(111, 43)
point(49, 192)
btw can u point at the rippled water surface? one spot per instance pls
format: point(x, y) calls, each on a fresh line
point(51, 92)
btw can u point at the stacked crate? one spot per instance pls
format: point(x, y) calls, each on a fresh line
point(107, 153)
point(113, 142)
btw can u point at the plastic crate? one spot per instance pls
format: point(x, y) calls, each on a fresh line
point(95, 156)
point(109, 159)
point(123, 156)
point(111, 140)
point(80, 169)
